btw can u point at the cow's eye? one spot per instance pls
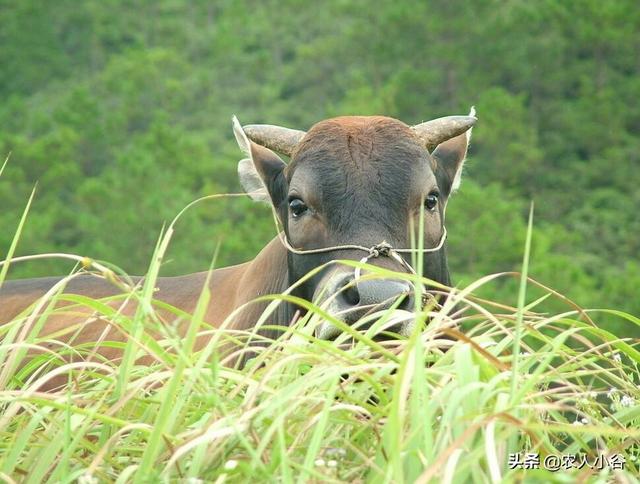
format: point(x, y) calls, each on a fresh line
point(431, 201)
point(297, 207)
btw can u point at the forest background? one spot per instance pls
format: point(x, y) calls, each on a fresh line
point(121, 111)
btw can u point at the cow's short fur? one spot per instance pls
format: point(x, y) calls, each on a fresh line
point(365, 180)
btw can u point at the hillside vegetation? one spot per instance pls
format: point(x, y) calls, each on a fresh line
point(121, 111)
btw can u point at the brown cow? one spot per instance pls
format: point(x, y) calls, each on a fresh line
point(352, 183)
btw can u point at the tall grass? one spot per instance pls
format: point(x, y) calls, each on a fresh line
point(448, 403)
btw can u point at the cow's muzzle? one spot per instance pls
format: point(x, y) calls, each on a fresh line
point(350, 300)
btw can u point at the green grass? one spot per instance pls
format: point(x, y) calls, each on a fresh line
point(449, 403)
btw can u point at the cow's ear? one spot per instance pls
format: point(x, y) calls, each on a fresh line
point(251, 181)
point(449, 158)
point(261, 174)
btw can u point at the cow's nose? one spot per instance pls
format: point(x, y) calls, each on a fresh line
point(356, 298)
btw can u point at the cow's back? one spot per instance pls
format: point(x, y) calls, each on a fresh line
point(181, 292)
point(79, 325)
point(16, 296)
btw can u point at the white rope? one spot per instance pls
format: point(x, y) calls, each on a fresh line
point(383, 248)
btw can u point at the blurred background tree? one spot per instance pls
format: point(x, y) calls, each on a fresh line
point(121, 111)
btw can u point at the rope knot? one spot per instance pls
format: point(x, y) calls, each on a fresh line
point(383, 248)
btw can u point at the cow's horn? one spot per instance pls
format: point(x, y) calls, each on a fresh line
point(277, 138)
point(434, 132)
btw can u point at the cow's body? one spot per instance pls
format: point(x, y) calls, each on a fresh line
point(230, 287)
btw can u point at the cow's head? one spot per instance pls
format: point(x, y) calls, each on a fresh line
point(357, 180)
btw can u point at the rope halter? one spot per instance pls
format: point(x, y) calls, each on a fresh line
point(382, 249)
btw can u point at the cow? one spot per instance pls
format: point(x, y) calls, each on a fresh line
point(353, 189)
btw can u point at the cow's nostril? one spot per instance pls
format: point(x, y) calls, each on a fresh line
point(407, 301)
point(351, 294)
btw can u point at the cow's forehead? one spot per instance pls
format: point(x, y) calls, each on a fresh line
point(358, 142)
point(358, 135)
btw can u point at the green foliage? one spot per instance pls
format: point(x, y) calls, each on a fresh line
point(121, 113)
point(420, 409)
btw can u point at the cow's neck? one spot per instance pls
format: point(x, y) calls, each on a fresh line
point(267, 274)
